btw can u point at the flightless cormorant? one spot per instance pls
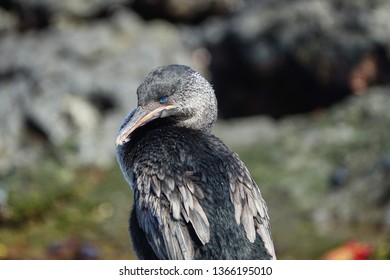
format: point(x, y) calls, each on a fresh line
point(193, 197)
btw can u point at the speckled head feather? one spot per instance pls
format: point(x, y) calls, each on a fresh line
point(193, 96)
point(190, 100)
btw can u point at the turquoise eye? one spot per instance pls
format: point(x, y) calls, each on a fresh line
point(163, 99)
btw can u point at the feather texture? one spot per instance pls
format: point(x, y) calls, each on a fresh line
point(250, 208)
point(168, 211)
point(193, 197)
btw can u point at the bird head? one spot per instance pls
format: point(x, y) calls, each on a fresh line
point(176, 92)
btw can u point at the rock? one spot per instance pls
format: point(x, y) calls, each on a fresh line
point(352, 135)
point(27, 15)
point(339, 177)
point(185, 10)
point(293, 159)
point(288, 57)
point(66, 90)
point(66, 87)
point(3, 196)
point(36, 9)
point(364, 200)
point(7, 21)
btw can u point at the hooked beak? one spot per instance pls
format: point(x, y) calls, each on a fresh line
point(142, 115)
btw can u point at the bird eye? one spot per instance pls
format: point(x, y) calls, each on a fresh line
point(163, 99)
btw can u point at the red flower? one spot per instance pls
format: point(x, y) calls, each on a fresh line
point(352, 250)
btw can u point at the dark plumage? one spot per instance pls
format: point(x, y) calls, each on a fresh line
point(193, 197)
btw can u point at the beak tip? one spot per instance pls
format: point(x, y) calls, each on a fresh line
point(119, 141)
point(139, 118)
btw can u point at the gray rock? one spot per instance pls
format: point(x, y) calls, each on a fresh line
point(286, 57)
point(73, 84)
point(76, 8)
point(186, 10)
point(7, 21)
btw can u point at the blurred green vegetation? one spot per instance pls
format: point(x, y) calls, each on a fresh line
point(50, 207)
point(294, 235)
point(50, 204)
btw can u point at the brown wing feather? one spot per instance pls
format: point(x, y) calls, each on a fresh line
point(167, 209)
point(249, 206)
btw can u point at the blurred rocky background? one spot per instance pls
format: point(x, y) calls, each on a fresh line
point(304, 97)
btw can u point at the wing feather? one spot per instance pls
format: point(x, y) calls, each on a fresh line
point(250, 208)
point(167, 213)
